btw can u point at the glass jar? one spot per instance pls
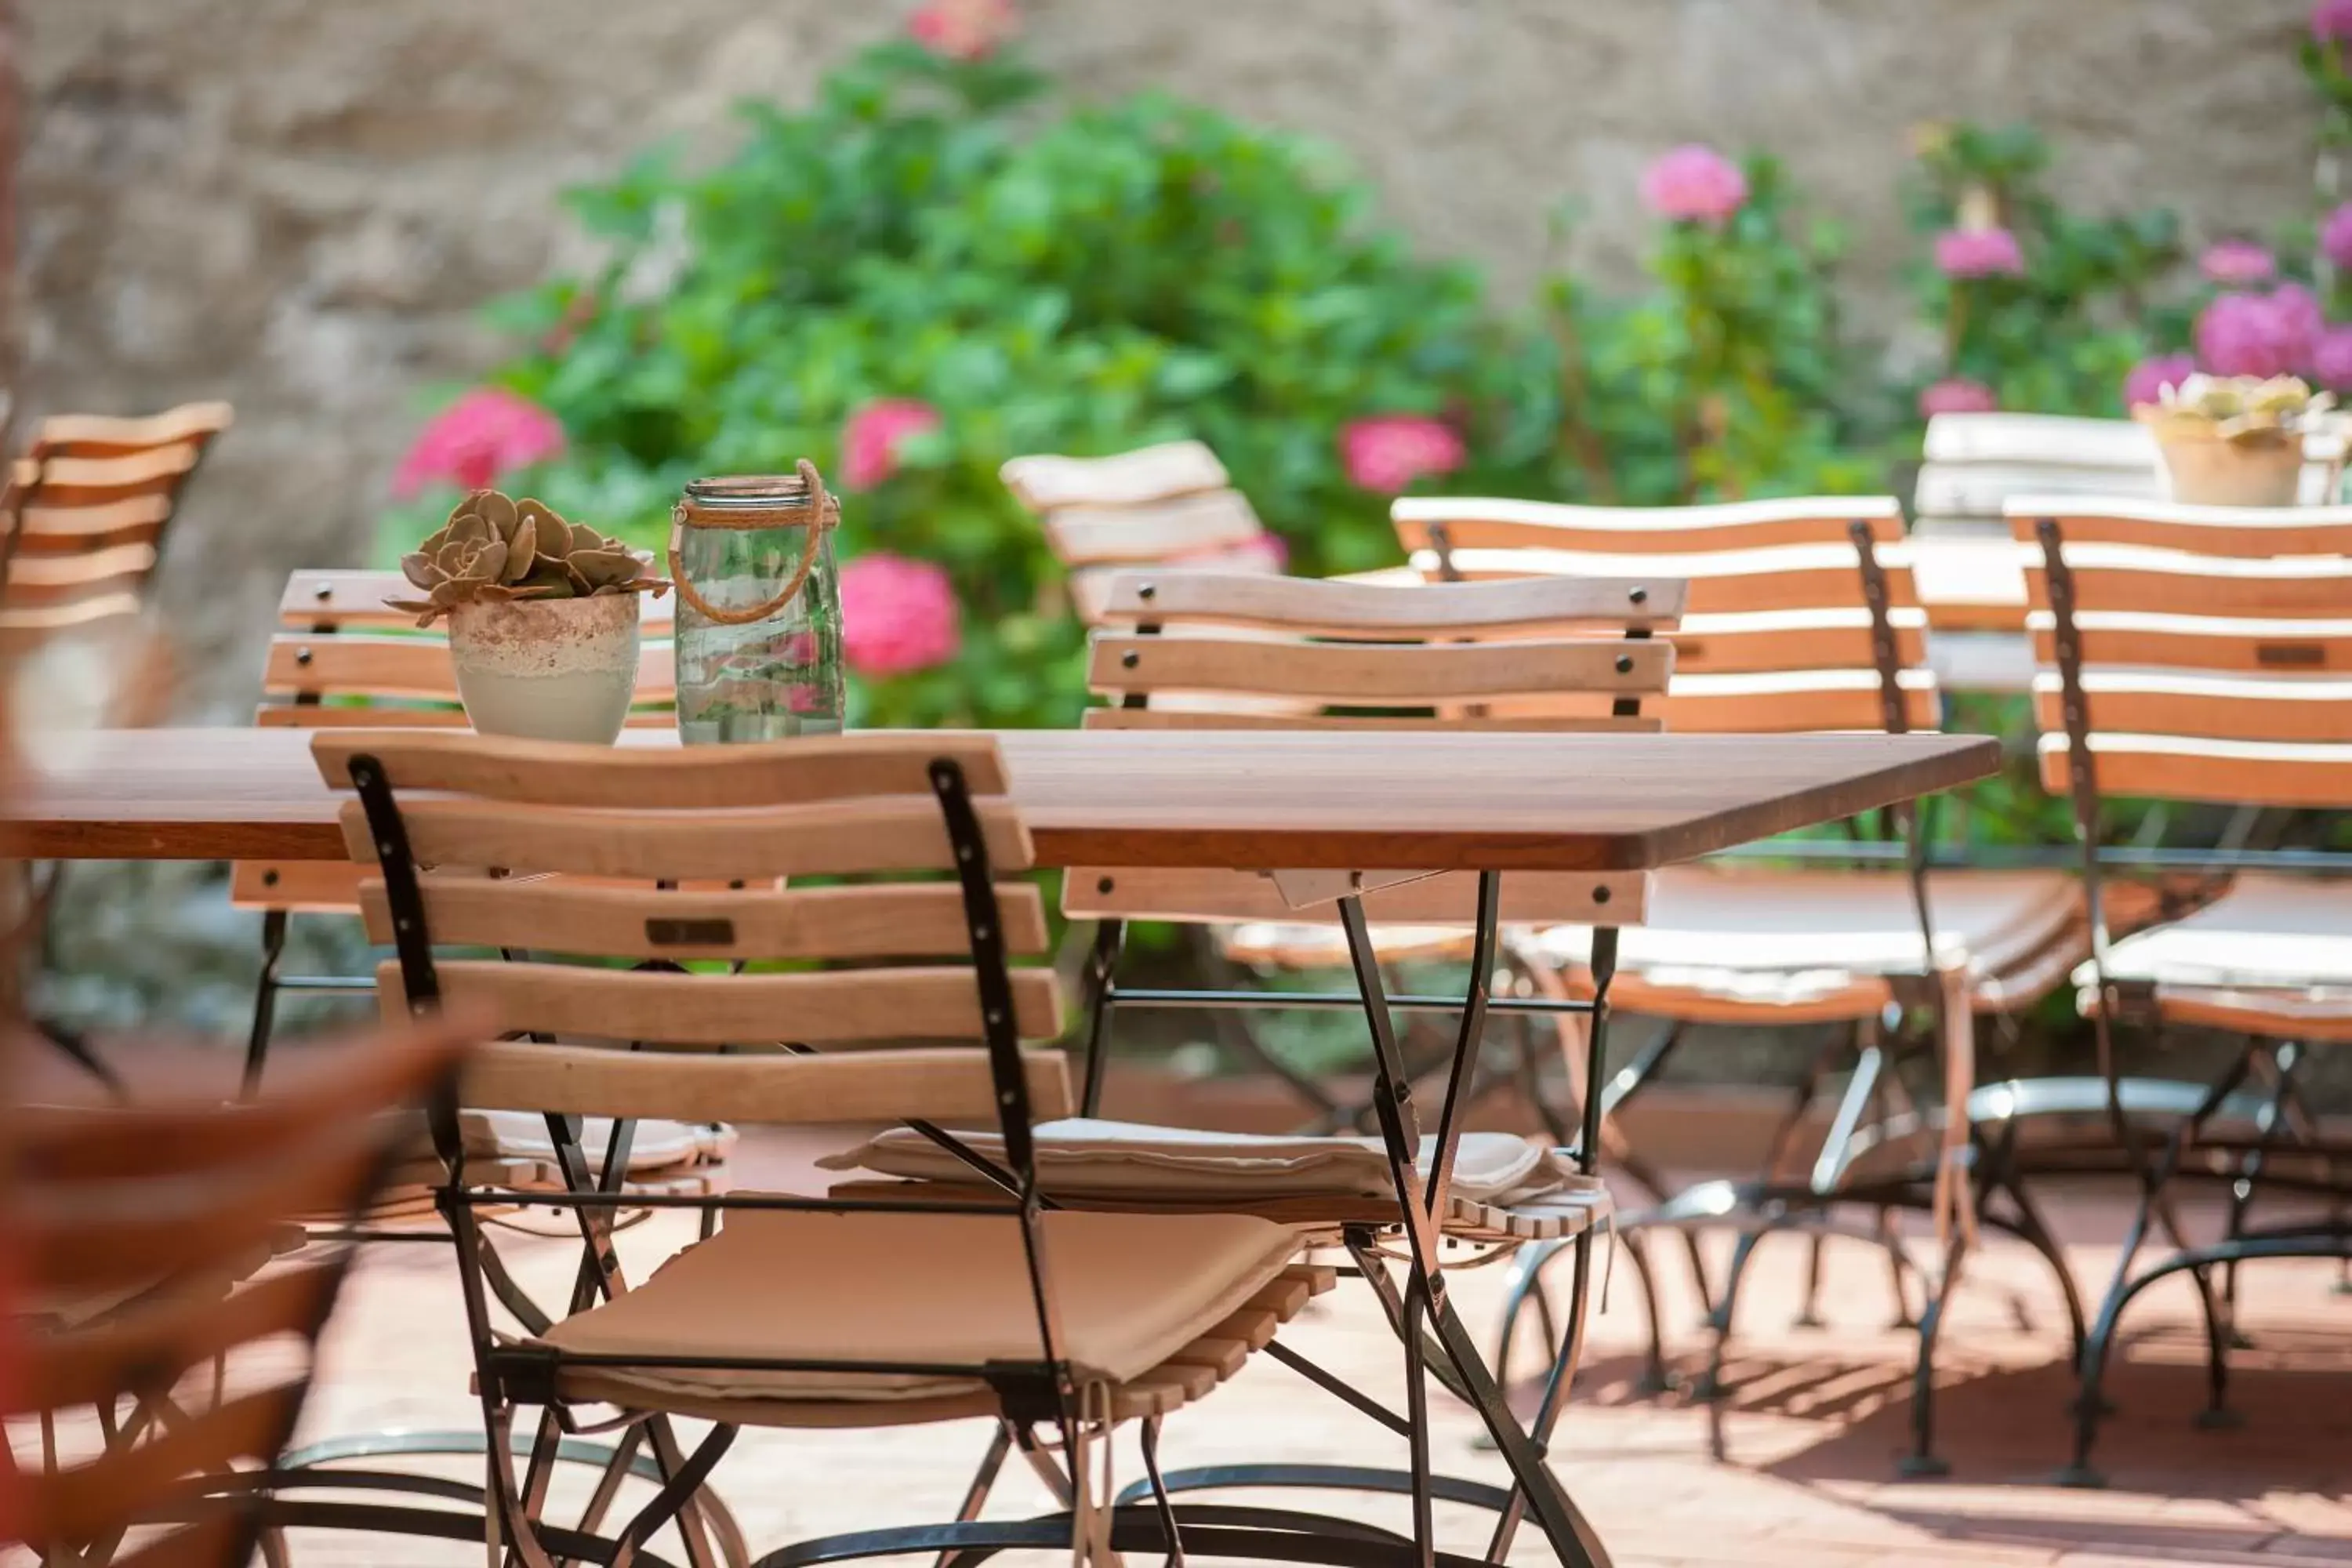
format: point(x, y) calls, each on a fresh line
point(759, 608)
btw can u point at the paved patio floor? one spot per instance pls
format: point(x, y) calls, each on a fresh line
point(1808, 1440)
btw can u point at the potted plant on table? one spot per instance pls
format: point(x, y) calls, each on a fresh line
point(542, 618)
point(2234, 440)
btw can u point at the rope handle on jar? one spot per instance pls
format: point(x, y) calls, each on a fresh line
point(824, 512)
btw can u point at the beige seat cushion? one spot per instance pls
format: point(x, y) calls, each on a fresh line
point(1725, 940)
point(1087, 1157)
point(2272, 954)
point(1129, 1290)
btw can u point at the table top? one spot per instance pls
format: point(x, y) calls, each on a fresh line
point(1249, 799)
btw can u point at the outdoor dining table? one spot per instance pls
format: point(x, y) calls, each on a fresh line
point(1383, 803)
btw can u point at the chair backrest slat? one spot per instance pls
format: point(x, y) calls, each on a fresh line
point(880, 834)
point(1374, 675)
point(418, 669)
point(886, 921)
point(1340, 607)
point(2194, 653)
point(337, 599)
point(845, 1007)
point(947, 1084)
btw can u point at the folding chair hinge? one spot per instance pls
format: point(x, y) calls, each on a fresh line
point(1030, 1394)
point(524, 1374)
point(2131, 1001)
point(1913, 992)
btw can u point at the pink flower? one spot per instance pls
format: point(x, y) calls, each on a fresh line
point(2331, 21)
point(2237, 263)
point(964, 29)
point(2260, 334)
point(1695, 184)
point(1389, 451)
point(871, 435)
point(488, 433)
point(2335, 232)
point(1958, 394)
point(1978, 253)
point(2331, 359)
point(2148, 380)
point(897, 616)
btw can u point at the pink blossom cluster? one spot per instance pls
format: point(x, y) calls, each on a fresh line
point(485, 435)
point(2237, 263)
point(898, 615)
point(1695, 184)
point(2148, 380)
point(1958, 394)
point(871, 436)
point(1387, 452)
point(1978, 253)
point(2336, 236)
point(2261, 334)
point(2331, 21)
point(964, 29)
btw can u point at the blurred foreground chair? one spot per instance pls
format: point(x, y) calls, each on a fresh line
point(1802, 617)
point(800, 1312)
point(143, 1238)
point(2203, 656)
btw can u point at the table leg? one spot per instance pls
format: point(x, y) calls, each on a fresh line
point(1571, 1536)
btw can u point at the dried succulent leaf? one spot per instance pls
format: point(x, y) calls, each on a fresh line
point(496, 508)
point(520, 548)
point(418, 569)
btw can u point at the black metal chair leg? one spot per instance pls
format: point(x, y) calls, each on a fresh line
point(1923, 1460)
point(1709, 1386)
point(265, 997)
point(1809, 1314)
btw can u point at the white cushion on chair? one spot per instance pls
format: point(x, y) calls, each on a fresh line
point(1129, 1291)
point(1085, 1156)
point(2267, 931)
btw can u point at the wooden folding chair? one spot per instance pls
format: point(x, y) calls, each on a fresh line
point(798, 1312)
point(1171, 505)
point(2200, 655)
point(85, 511)
point(1401, 658)
point(1802, 617)
point(142, 1237)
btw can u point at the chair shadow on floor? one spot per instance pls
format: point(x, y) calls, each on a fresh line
point(1832, 1413)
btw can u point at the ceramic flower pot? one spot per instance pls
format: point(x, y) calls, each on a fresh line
point(547, 670)
point(2207, 470)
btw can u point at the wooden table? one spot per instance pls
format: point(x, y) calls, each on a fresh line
point(1262, 800)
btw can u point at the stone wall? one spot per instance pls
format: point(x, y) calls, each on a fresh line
point(299, 204)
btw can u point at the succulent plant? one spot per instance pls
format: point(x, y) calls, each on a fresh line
point(2240, 408)
point(493, 549)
